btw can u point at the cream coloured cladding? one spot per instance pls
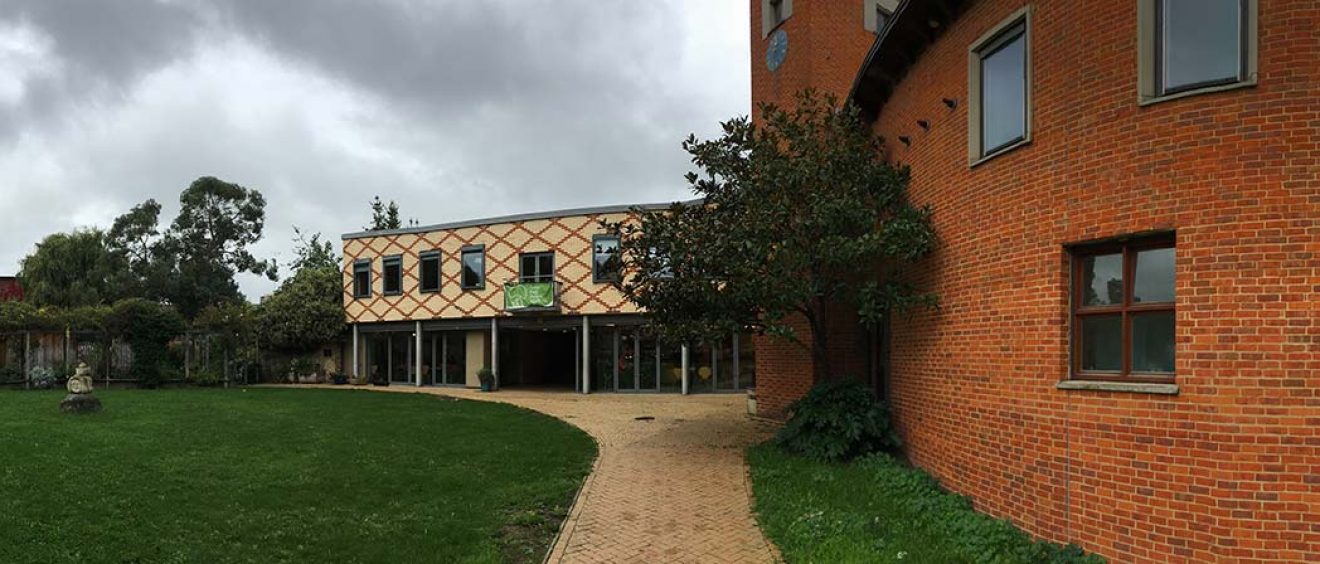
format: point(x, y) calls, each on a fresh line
point(569, 237)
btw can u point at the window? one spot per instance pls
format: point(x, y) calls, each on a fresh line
point(1195, 46)
point(429, 275)
point(605, 262)
point(773, 13)
point(362, 278)
point(876, 13)
point(474, 267)
point(1123, 311)
point(1000, 89)
point(536, 267)
point(392, 272)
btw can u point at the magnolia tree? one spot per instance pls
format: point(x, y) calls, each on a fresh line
point(800, 217)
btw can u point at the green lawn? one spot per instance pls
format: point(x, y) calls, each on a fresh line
point(263, 475)
point(878, 510)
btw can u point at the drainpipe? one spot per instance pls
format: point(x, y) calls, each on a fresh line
point(495, 350)
point(417, 353)
point(586, 355)
point(685, 369)
point(27, 360)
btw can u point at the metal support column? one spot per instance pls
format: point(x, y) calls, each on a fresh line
point(586, 355)
point(417, 352)
point(495, 350)
point(354, 371)
point(685, 369)
point(27, 360)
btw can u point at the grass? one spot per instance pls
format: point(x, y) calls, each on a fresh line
point(263, 475)
point(878, 510)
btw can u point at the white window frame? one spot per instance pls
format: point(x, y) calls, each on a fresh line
point(975, 151)
point(1148, 38)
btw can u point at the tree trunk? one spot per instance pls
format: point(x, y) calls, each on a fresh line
point(820, 357)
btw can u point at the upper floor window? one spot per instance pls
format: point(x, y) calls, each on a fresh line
point(392, 274)
point(536, 267)
point(429, 271)
point(605, 262)
point(474, 267)
point(1189, 46)
point(773, 13)
point(1123, 311)
point(362, 278)
point(1000, 89)
point(876, 14)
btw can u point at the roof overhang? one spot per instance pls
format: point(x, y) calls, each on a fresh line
point(913, 27)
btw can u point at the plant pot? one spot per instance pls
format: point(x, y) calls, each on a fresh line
point(340, 379)
point(487, 386)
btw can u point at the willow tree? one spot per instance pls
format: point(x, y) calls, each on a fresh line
point(797, 216)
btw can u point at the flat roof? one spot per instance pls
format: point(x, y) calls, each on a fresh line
point(620, 208)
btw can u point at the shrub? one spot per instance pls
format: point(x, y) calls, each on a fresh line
point(207, 377)
point(42, 378)
point(836, 421)
point(148, 327)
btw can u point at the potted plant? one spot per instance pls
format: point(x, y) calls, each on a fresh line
point(339, 379)
point(487, 377)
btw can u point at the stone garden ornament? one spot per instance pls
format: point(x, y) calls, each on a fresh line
point(80, 398)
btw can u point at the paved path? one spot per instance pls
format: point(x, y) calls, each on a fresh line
point(672, 489)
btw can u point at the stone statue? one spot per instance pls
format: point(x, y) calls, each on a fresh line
point(81, 382)
point(80, 398)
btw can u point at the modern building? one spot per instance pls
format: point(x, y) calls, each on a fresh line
point(529, 296)
point(1127, 197)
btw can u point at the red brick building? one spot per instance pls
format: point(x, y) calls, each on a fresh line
point(10, 289)
point(1127, 196)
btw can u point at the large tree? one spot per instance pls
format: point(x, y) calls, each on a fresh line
point(305, 312)
point(799, 218)
point(71, 270)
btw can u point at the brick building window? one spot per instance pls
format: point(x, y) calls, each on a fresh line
point(876, 13)
point(1194, 46)
point(536, 267)
point(1123, 311)
point(362, 278)
point(773, 13)
point(392, 275)
point(429, 271)
point(473, 259)
point(999, 89)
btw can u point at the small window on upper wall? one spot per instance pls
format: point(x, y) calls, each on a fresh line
point(773, 13)
point(1000, 89)
point(362, 278)
point(876, 13)
point(474, 268)
point(1124, 311)
point(1194, 46)
point(429, 275)
point(392, 274)
point(536, 267)
point(606, 263)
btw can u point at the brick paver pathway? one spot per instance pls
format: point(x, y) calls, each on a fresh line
point(671, 489)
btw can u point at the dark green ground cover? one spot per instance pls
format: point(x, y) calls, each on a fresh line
point(264, 475)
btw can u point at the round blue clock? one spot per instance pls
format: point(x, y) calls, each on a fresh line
point(777, 50)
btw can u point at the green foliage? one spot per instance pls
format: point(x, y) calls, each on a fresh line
point(71, 270)
point(879, 510)
point(837, 420)
point(384, 216)
point(312, 253)
point(798, 214)
point(148, 328)
point(305, 312)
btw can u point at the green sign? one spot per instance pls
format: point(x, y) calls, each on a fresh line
point(529, 295)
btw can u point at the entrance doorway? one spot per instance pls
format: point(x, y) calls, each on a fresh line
point(539, 357)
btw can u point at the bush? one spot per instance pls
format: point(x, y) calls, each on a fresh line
point(148, 327)
point(837, 420)
point(207, 377)
point(43, 378)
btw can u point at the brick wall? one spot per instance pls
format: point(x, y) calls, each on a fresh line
point(826, 46)
point(1229, 469)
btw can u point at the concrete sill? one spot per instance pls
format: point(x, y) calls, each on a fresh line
point(1130, 387)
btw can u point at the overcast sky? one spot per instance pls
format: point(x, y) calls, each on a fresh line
point(456, 109)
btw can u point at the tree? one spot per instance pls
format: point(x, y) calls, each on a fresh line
point(136, 240)
point(305, 312)
point(384, 216)
point(799, 216)
point(312, 253)
point(72, 269)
